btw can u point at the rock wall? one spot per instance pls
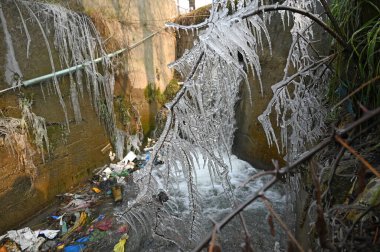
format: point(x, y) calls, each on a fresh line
point(74, 155)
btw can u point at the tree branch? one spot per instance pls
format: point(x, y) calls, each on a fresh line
point(269, 8)
point(357, 155)
point(332, 18)
point(169, 120)
point(356, 90)
point(305, 157)
point(282, 223)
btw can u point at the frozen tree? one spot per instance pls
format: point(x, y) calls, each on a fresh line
point(201, 118)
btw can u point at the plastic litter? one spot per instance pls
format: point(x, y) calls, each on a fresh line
point(129, 157)
point(119, 247)
point(50, 234)
point(64, 227)
point(25, 238)
point(83, 239)
point(79, 222)
point(117, 193)
point(74, 248)
point(96, 190)
point(107, 172)
point(112, 156)
point(104, 224)
point(73, 215)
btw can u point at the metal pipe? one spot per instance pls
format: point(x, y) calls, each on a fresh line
point(77, 67)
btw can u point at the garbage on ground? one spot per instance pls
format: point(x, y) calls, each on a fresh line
point(96, 190)
point(104, 224)
point(25, 239)
point(119, 247)
point(77, 223)
point(49, 234)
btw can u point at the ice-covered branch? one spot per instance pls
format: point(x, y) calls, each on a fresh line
point(306, 13)
point(306, 156)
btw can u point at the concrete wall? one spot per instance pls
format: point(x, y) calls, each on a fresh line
point(125, 23)
point(128, 22)
point(75, 155)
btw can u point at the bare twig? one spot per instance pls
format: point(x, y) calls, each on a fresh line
point(355, 91)
point(357, 155)
point(305, 157)
point(332, 18)
point(375, 236)
point(214, 246)
point(334, 167)
point(258, 175)
point(320, 225)
point(357, 220)
point(282, 224)
point(244, 224)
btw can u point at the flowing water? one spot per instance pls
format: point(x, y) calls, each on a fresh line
point(216, 205)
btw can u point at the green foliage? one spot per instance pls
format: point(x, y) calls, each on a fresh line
point(105, 116)
point(170, 91)
point(152, 93)
point(122, 111)
point(359, 23)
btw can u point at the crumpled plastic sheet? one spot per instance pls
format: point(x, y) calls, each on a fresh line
point(25, 237)
point(28, 239)
point(119, 247)
point(50, 234)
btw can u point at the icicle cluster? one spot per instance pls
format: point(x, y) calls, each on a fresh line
point(201, 119)
point(36, 124)
point(12, 68)
point(298, 98)
point(76, 41)
point(14, 132)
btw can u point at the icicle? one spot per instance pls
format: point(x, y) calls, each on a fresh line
point(12, 68)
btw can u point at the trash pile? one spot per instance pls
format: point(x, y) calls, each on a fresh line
point(79, 222)
point(75, 226)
